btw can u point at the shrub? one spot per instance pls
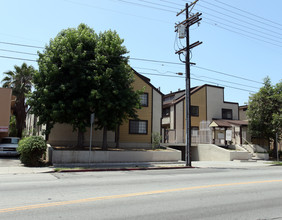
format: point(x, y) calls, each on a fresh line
point(156, 140)
point(31, 150)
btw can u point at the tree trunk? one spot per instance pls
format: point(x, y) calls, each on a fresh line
point(80, 138)
point(105, 144)
point(274, 152)
point(20, 116)
point(117, 137)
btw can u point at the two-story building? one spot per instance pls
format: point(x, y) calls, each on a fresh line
point(132, 133)
point(213, 119)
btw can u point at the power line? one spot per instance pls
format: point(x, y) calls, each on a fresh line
point(239, 24)
point(245, 31)
point(146, 6)
point(166, 6)
point(118, 12)
point(258, 39)
point(239, 19)
point(155, 61)
point(13, 51)
point(214, 83)
point(240, 14)
point(215, 71)
point(17, 58)
point(226, 74)
point(21, 45)
point(248, 13)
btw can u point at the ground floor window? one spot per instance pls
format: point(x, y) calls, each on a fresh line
point(138, 127)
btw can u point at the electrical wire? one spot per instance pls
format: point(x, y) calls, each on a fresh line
point(21, 45)
point(237, 19)
point(240, 14)
point(213, 83)
point(152, 61)
point(249, 13)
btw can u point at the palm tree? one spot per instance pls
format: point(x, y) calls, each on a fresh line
point(20, 80)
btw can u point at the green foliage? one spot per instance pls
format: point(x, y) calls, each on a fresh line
point(81, 72)
point(31, 150)
point(12, 127)
point(116, 98)
point(156, 140)
point(20, 80)
point(65, 79)
point(265, 111)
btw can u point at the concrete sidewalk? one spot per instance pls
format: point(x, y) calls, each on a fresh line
point(20, 169)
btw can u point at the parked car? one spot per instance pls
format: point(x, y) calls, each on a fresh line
point(8, 146)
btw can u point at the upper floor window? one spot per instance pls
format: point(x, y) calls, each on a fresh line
point(194, 110)
point(226, 113)
point(144, 99)
point(138, 127)
point(166, 112)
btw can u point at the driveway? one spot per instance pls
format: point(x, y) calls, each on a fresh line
point(9, 161)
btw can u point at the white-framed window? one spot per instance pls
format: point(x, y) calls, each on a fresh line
point(138, 127)
point(144, 99)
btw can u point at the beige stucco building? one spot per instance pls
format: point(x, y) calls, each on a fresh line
point(132, 133)
point(209, 112)
point(5, 110)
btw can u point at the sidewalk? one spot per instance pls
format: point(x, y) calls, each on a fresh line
point(20, 169)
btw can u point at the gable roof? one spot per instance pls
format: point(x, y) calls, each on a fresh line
point(147, 80)
point(227, 123)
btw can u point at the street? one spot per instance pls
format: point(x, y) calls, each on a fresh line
point(205, 193)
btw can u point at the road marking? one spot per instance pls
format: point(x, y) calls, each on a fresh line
point(52, 204)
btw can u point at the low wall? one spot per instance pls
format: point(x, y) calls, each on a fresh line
point(65, 156)
point(261, 156)
point(211, 152)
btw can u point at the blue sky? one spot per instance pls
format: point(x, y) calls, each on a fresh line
point(239, 48)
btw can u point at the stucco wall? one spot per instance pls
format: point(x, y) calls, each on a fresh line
point(157, 110)
point(145, 113)
point(5, 109)
point(215, 104)
point(172, 117)
point(199, 99)
point(242, 114)
point(63, 134)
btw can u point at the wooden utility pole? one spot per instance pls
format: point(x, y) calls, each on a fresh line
point(189, 21)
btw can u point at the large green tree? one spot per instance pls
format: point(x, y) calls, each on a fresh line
point(265, 111)
point(81, 72)
point(20, 80)
point(117, 100)
point(65, 81)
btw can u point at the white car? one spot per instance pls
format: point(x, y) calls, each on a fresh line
point(8, 146)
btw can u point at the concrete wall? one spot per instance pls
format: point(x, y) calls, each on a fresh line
point(64, 157)
point(215, 104)
point(5, 110)
point(210, 152)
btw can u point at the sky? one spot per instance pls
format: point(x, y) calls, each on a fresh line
point(242, 39)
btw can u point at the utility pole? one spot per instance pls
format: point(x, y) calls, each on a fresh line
point(183, 28)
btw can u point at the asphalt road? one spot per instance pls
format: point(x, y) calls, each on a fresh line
point(242, 193)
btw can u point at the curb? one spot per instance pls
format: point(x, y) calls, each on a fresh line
point(122, 169)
